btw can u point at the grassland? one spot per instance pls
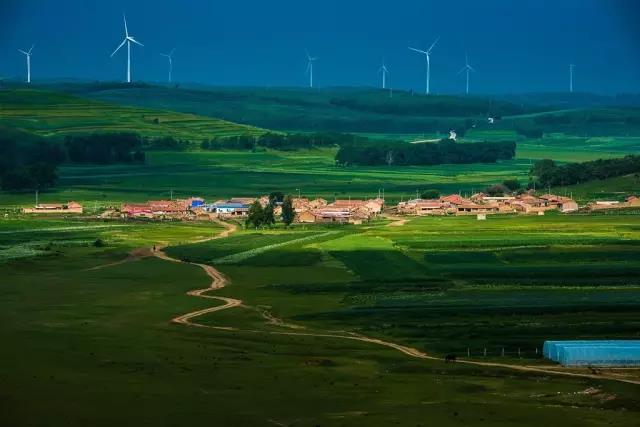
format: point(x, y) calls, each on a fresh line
point(57, 114)
point(80, 340)
point(244, 173)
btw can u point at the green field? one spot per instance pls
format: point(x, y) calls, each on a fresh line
point(217, 174)
point(83, 334)
point(57, 114)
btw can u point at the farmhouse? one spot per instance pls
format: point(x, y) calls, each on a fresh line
point(137, 210)
point(563, 204)
point(422, 207)
point(48, 208)
point(228, 208)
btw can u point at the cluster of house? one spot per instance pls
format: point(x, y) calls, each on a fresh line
point(481, 203)
point(178, 209)
point(353, 211)
point(629, 202)
point(54, 208)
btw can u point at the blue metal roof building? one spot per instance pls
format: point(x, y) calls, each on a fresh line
point(594, 352)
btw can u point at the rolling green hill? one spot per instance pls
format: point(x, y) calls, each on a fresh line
point(50, 113)
point(368, 110)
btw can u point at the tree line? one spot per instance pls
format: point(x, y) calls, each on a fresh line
point(27, 161)
point(547, 173)
point(405, 154)
point(278, 141)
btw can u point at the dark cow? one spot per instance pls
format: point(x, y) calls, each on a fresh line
point(450, 358)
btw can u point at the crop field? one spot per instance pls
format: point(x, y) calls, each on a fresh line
point(56, 114)
point(80, 316)
point(528, 274)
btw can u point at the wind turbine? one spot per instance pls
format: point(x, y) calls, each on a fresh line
point(310, 68)
point(427, 54)
point(28, 55)
point(571, 67)
point(128, 40)
point(169, 56)
point(384, 70)
point(468, 68)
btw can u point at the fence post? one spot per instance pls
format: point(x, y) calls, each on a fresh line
point(502, 351)
point(468, 352)
point(485, 352)
point(518, 351)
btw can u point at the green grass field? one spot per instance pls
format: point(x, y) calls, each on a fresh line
point(80, 340)
point(57, 114)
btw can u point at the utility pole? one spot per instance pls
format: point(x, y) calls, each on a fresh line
point(36, 198)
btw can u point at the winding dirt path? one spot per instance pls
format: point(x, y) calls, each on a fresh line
point(219, 281)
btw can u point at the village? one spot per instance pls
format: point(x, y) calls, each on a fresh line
point(351, 211)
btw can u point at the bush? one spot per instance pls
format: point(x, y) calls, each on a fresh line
point(512, 184)
point(98, 243)
point(430, 194)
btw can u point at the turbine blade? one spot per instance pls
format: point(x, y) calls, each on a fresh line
point(136, 41)
point(172, 50)
point(461, 70)
point(434, 43)
point(126, 30)
point(471, 68)
point(118, 48)
point(417, 50)
point(32, 46)
point(22, 51)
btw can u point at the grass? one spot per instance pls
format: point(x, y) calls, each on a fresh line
point(66, 328)
point(56, 114)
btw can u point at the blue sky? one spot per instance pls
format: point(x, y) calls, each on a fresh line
point(515, 46)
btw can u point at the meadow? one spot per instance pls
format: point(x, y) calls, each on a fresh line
point(84, 334)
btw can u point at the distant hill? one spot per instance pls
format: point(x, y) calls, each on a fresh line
point(49, 113)
point(330, 109)
point(368, 110)
point(557, 101)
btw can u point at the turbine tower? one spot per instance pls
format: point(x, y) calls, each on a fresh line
point(310, 60)
point(468, 68)
point(571, 67)
point(384, 70)
point(427, 54)
point(28, 55)
point(128, 40)
point(169, 56)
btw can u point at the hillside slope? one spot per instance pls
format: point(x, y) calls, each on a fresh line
point(50, 113)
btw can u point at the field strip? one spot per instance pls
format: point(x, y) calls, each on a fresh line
point(85, 227)
point(219, 281)
point(241, 256)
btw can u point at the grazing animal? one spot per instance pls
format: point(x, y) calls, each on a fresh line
point(450, 358)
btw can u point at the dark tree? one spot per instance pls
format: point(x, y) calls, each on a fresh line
point(430, 194)
point(255, 215)
point(288, 213)
point(512, 184)
point(268, 218)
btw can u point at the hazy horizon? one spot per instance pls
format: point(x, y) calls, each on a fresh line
point(515, 48)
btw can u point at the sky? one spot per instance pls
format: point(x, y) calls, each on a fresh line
point(514, 46)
